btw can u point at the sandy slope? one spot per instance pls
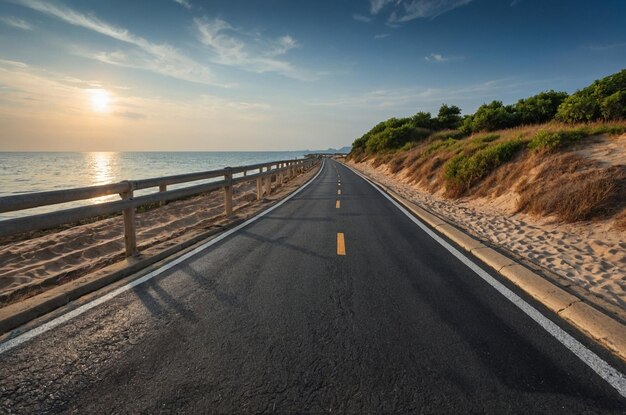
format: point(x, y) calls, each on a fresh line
point(588, 255)
point(55, 258)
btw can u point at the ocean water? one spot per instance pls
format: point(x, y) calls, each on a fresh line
point(37, 172)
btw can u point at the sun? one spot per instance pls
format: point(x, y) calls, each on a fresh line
point(100, 100)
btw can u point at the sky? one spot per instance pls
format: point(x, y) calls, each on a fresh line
point(268, 75)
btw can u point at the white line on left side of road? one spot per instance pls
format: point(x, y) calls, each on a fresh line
point(22, 338)
point(607, 372)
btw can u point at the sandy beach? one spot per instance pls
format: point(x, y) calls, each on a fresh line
point(587, 255)
point(30, 266)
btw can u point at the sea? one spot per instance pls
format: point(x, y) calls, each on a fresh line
point(42, 171)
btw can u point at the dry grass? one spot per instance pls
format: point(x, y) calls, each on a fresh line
point(574, 189)
point(558, 183)
point(620, 220)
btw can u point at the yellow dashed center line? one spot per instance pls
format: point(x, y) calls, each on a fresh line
point(341, 244)
point(339, 191)
point(338, 204)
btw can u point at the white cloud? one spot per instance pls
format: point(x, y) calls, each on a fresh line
point(415, 9)
point(15, 22)
point(5, 62)
point(230, 46)
point(185, 3)
point(515, 2)
point(381, 35)
point(439, 58)
point(360, 18)
point(159, 58)
point(35, 92)
point(417, 99)
point(377, 5)
point(401, 11)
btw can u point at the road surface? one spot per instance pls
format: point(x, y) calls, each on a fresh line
point(334, 301)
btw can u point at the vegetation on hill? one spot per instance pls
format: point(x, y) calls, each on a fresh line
point(521, 148)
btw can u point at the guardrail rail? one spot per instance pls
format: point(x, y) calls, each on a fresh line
point(277, 170)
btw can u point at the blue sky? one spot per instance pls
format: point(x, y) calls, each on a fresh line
point(279, 75)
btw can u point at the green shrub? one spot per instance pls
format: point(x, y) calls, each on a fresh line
point(423, 120)
point(486, 138)
point(539, 108)
point(494, 116)
point(439, 145)
point(578, 108)
point(551, 141)
point(449, 117)
point(464, 171)
point(608, 129)
point(605, 99)
point(613, 107)
point(445, 134)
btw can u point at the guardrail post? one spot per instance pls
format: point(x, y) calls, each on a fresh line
point(162, 188)
point(259, 189)
point(130, 226)
point(268, 182)
point(228, 192)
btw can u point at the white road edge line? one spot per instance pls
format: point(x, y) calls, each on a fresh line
point(607, 372)
point(24, 337)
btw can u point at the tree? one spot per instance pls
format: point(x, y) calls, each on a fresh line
point(422, 120)
point(613, 107)
point(493, 116)
point(604, 99)
point(449, 117)
point(539, 108)
point(579, 108)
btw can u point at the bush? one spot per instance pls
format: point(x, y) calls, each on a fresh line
point(551, 141)
point(449, 117)
point(439, 145)
point(605, 99)
point(423, 120)
point(494, 116)
point(578, 108)
point(613, 107)
point(539, 108)
point(463, 171)
point(445, 134)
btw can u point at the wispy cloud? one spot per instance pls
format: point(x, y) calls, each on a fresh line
point(381, 35)
point(413, 98)
point(515, 2)
point(15, 22)
point(185, 3)
point(159, 58)
point(231, 46)
point(17, 64)
point(401, 11)
point(416, 9)
point(377, 5)
point(361, 18)
point(439, 58)
point(35, 93)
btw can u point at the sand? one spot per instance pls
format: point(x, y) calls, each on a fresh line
point(590, 255)
point(28, 267)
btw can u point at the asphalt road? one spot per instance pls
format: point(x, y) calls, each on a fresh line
point(273, 319)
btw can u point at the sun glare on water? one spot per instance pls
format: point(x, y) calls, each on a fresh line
point(100, 100)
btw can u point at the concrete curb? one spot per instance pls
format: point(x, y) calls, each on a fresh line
point(600, 327)
point(22, 312)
